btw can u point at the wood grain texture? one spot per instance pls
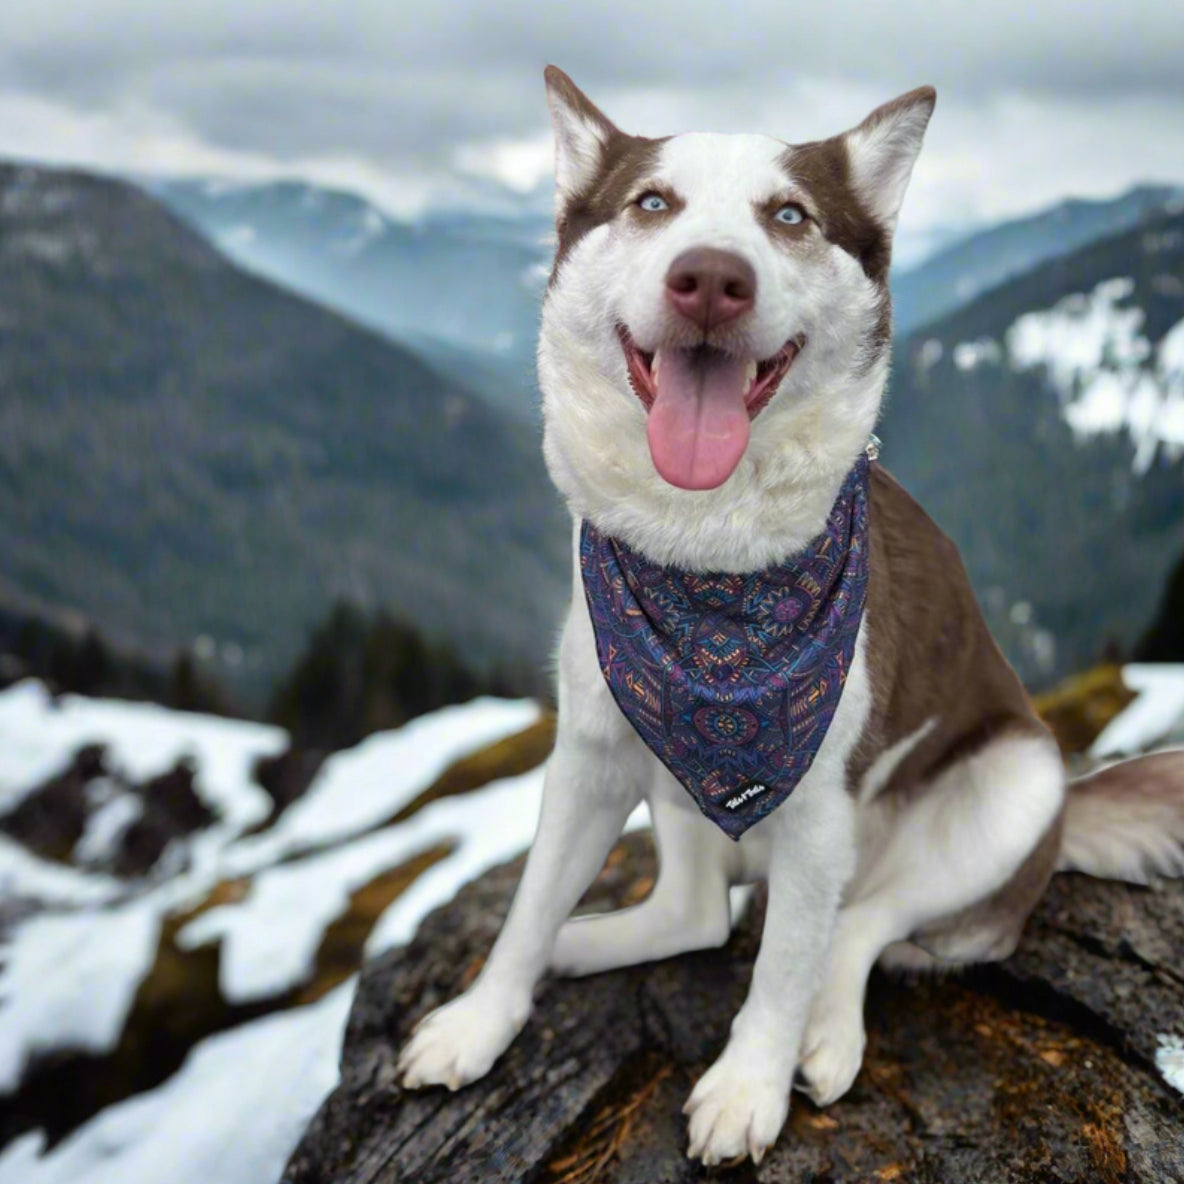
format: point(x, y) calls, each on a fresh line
point(1038, 1069)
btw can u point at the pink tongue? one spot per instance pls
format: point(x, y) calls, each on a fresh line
point(698, 425)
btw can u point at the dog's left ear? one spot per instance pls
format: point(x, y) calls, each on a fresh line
point(582, 133)
point(883, 149)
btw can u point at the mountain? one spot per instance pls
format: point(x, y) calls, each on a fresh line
point(465, 285)
point(415, 280)
point(957, 274)
point(1042, 426)
point(186, 449)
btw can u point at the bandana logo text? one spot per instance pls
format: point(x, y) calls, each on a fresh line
point(749, 791)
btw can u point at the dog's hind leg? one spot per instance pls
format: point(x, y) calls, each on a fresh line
point(956, 871)
point(687, 909)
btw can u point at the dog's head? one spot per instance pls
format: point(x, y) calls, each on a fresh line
point(717, 323)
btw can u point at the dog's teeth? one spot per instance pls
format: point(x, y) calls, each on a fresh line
point(749, 374)
point(655, 364)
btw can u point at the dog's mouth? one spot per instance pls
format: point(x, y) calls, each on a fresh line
point(699, 405)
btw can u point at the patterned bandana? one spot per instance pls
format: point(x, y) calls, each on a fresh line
point(733, 679)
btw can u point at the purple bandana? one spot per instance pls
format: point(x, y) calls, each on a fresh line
point(732, 679)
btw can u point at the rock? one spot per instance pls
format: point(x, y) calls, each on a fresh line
point(171, 810)
point(286, 777)
point(1078, 709)
point(1038, 1069)
point(50, 819)
point(1164, 640)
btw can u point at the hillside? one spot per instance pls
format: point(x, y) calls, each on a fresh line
point(983, 260)
point(1042, 426)
point(186, 449)
point(181, 1020)
point(464, 286)
point(415, 280)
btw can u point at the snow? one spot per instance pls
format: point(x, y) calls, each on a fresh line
point(929, 354)
point(105, 954)
point(237, 237)
point(365, 785)
point(1105, 370)
point(23, 875)
point(70, 972)
point(1169, 1060)
point(41, 245)
point(371, 225)
point(969, 355)
point(271, 937)
point(1149, 720)
point(230, 1115)
point(105, 827)
point(217, 187)
point(37, 738)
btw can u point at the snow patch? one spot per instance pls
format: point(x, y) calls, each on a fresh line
point(969, 355)
point(49, 959)
point(69, 973)
point(1151, 717)
point(38, 736)
point(232, 1114)
point(106, 826)
point(41, 245)
point(1105, 371)
point(237, 237)
point(371, 225)
point(929, 354)
point(1169, 1060)
point(216, 187)
point(361, 787)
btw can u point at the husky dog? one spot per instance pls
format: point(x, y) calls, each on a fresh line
point(713, 354)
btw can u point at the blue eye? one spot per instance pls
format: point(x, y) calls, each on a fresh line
point(790, 215)
point(652, 203)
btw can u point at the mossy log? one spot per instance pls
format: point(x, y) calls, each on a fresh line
point(1038, 1069)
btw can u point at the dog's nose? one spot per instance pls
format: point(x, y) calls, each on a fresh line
point(710, 287)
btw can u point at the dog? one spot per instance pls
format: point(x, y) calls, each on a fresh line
point(713, 355)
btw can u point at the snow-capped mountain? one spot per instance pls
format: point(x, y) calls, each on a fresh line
point(463, 286)
point(960, 271)
point(1042, 425)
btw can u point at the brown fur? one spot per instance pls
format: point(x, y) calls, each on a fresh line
point(822, 169)
point(625, 163)
point(930, 655)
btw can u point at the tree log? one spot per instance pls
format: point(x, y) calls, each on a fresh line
point(1038, 1069)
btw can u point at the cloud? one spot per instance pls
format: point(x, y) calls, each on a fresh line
point(406, 99)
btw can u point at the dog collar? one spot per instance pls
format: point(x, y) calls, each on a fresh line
point(732, 680)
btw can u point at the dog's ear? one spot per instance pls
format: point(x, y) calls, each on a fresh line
point(883, 149)
point(582, 133)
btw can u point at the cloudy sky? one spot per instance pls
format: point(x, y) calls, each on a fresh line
point(413, 103)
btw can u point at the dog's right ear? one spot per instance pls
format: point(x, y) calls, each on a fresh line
point(582, 133)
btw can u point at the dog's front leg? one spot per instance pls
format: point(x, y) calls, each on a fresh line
point(592, 782)
point(740, 1104)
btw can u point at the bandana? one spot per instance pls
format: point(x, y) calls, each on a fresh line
point(732, 680)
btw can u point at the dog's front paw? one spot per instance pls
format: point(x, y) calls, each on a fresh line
point(458, 1043)
point(736, 1110)
point(832, 1053)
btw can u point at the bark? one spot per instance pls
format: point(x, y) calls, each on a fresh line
point(1041, 1068)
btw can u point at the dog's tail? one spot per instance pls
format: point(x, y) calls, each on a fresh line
point(1126, 821)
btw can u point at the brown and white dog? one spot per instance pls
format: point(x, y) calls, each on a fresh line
point(937, 808)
